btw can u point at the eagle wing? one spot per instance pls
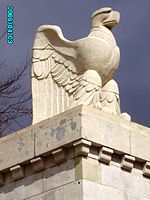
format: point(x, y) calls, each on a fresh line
point(54, 75)
point(56, 81)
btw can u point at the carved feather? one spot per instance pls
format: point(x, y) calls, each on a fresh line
point(55, 75)
point(48, 61)
point(72, 72)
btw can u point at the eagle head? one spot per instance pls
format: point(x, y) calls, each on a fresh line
point(105, 17)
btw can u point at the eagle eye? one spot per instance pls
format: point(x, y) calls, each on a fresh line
point(106, 12)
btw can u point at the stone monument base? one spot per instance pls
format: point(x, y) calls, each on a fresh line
point(81, 154)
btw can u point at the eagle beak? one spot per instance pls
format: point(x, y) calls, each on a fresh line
point(112, 20)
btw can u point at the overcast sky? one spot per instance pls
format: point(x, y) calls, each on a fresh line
point(132, 35)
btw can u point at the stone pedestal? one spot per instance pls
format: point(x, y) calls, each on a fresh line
point(81, 154)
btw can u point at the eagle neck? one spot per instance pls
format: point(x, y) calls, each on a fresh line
point(103, 33)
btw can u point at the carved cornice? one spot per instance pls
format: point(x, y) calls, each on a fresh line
point(50, 142)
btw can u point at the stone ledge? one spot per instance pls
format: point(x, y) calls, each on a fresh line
point(84, 129)
point(83, 163)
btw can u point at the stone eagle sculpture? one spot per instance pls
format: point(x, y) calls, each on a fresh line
point(68, 73)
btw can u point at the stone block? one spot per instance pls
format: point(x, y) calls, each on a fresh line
point(105, 155)
point(8, 192)
point(94, 191)
point(127, 162)
point(28, 186)
point(38, 164)
point(114, 177)
point(140, 142)
point(57, 131)
point(59, 155)
point(87, 168)
point(49, 195)
point(105, 130)
point(82, 147)
point(16, 148)
point(67, 150)
point(58, 175)
point(146, 169)
point(73, 191)
point(22, 189)
point(17, 172)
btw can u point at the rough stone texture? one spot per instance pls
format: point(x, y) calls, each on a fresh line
point(69, 167)
point(57, 133)
point(16, 148)
point(58, 175)
point(23, 188)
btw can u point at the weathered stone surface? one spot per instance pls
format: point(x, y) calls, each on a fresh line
point(95, 191)
point(73, 165)
point(58, 131)
point(50, 195)
point(59, 155)
point(106, 130)
point(58, 175)
point(17, 172)
point(82, 147)
point(16, 148)
point(140, 141)
point(87, 168)
point(129, 183)
point(29, 186)
point(38, 164)
point(68, 128)
point(22, 189)
point(8, 192)
point(73, 191)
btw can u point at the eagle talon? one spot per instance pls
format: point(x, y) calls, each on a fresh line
point(126, 116)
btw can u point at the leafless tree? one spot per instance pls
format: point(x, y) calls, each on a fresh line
point(15, 99)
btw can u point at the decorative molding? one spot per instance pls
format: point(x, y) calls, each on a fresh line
point(146, 169)
point(38, 164)
point(105, 155)
point(127, 162)
point(82, 147)
point(59, 155)
point(17, 172)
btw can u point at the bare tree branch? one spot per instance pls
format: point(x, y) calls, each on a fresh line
point(15, 101)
